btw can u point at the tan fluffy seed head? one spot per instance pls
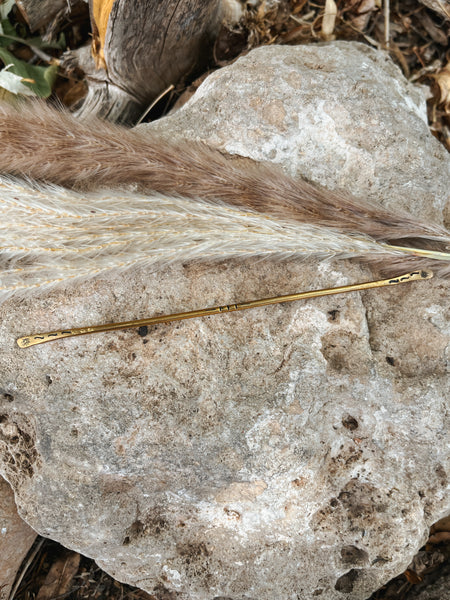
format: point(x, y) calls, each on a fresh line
point(193, 203)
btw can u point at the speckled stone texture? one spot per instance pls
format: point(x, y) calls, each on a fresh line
point(294, 451)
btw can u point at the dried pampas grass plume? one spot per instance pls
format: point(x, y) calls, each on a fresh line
point(193, 203)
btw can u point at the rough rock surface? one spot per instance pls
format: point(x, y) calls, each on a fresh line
point(296, 451)
point(16, 538)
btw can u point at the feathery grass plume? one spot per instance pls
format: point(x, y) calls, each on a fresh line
point(194, 203)
point(52, 235)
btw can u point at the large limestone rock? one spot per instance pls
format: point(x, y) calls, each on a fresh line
point(296, 451)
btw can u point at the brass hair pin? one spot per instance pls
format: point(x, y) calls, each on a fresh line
point(40, 338)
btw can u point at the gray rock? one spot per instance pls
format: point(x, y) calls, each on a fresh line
point(295, 451)
point(340, 115)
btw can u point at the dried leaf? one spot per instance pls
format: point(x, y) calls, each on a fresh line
point(59, 579)
point(329, 19)
point(439, 537)
point(424, 562)
point(363, 13)
point(436, 33)
point(443, 81)
point(440, 531)
point(412, 577)
point(441, 525)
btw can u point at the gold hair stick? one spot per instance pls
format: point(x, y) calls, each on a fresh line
point(40, 338)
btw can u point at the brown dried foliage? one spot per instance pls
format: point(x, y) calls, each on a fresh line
point(56, 572)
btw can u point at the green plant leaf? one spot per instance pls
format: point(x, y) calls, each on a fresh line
point(9, 35)
point(10, 82)
point(37, 42)
point(41, 79)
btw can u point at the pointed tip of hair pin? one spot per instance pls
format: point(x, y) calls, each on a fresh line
point(40, 338)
